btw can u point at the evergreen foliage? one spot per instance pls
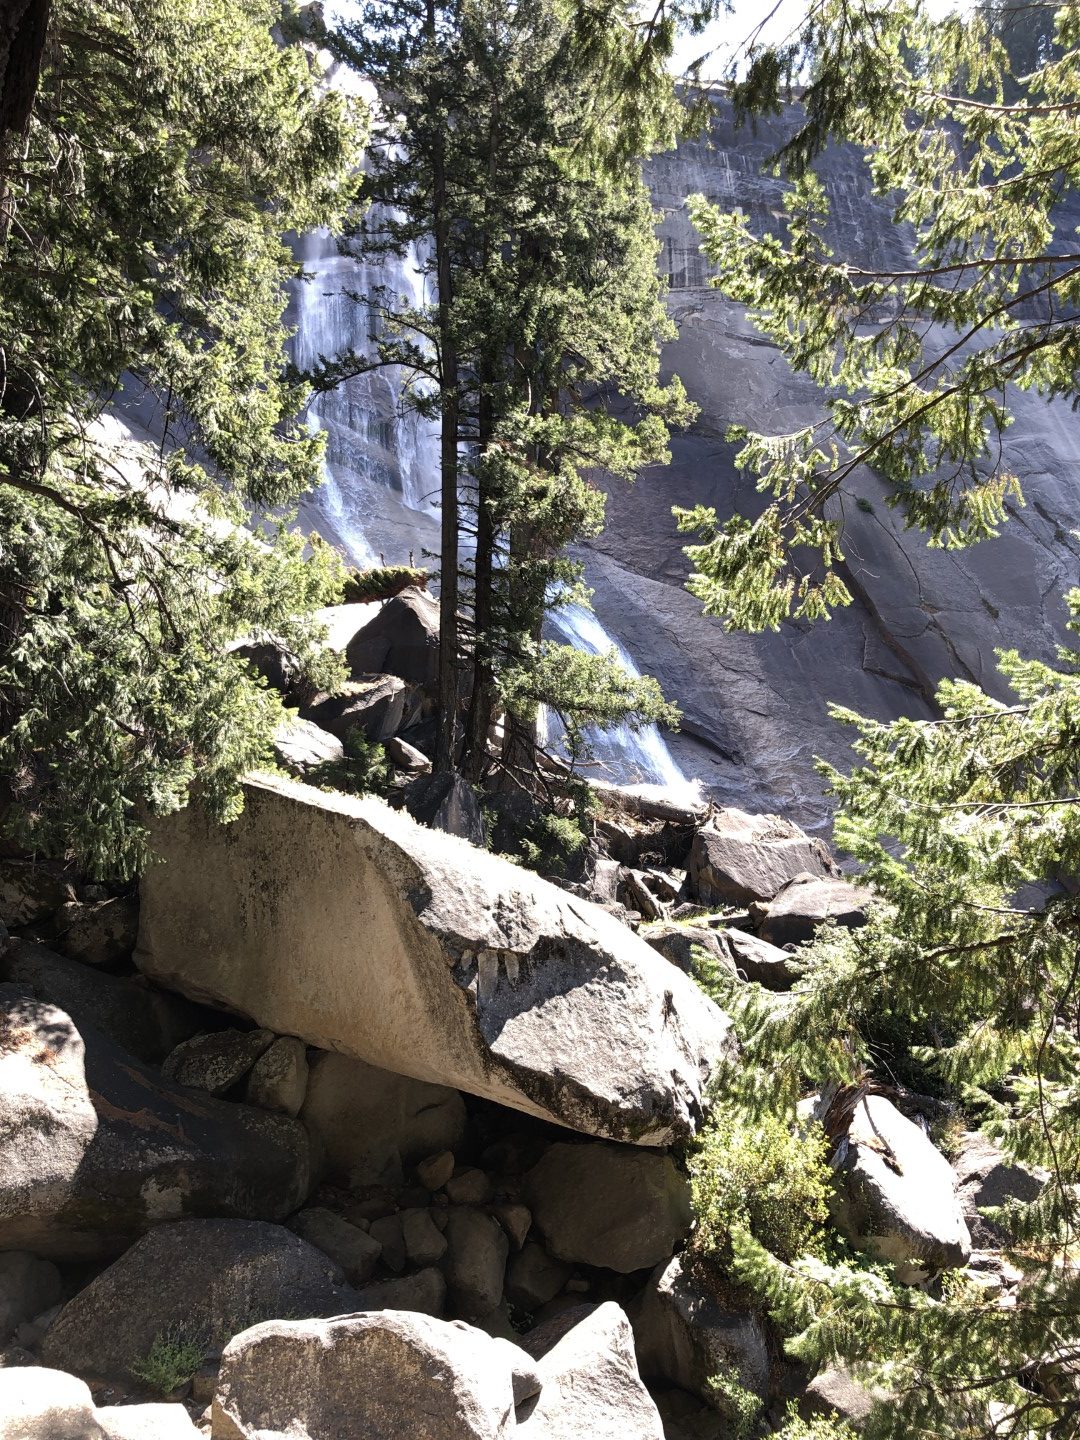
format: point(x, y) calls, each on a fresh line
point(547, 292)
point(141, 263)
point(988, 300)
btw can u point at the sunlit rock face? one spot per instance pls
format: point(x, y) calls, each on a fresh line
point(755, 706)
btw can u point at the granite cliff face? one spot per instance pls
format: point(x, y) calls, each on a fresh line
point(755, 706)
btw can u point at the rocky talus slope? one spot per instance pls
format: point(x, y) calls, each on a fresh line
point(343, 1128)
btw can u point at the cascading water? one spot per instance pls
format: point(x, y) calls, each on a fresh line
point(382, 459)
point(629, 756)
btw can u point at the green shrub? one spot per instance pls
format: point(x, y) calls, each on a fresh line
point(365, 769)
point(170, 1362)
point(382, 582)
point(818, 1428)
point(763, 1177)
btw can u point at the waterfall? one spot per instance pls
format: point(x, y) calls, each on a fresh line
point(631, 757)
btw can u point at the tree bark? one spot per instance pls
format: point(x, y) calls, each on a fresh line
point(24, 25)
point(446, 737)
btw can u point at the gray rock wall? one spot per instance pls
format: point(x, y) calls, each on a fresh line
point(755, 706)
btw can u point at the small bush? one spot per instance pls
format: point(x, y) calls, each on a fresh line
point(364, 771)
point(761, 1176)
point(817, 1428)
point(170, 1362)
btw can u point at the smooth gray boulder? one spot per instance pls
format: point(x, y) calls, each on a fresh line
point(608, 1205)
point(737, 857)
point(988, 1178)
point(806, 904)
point(367, 1123)
point(590, 1386)
point(535, 1277)
point(685, 1336)
point(204, 1280)
point(340, 921)
point(347, 1245)
point(475, 1260)
point(755, 959)
point(143, 1020)
point(401, 639)
point(377, 705)
point(380, 1375)
point(896, 1194)
point(95, 1147)
point(301, 745)
point(146, 1422)
point(423, 1291)
point(677, 944)
point(37, 1403)
point(837, 1391)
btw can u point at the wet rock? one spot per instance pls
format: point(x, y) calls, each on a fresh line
point(28, 1285)
point(534, 1277)
point(896, 1194)
point(402, 639)
point(95, 1147)
point(795, 915)
point(205, 1279)
point(279, 1078)
point(353, 1249)
point(301, 745)
point(475, 1261)
point(686, 1336)
point(367, 1122)
point(737, 857)
point(382, 1375)
point(342, 922)
point(144, 1021)
point(608, 1205)
point(216, 1062)
point(590, 1386)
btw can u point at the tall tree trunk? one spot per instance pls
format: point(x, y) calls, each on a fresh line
point(24, 25)
point(446, 738)
point(480, 710)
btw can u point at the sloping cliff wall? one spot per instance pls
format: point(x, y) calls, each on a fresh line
point(755, 706)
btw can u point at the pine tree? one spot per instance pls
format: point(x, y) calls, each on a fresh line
point(169, 148)
point(546, 290)
point(966, 980)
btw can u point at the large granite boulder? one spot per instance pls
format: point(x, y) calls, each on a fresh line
point(301, 745)
point(806, 904)
point(678, 944)
point(37, 1403)
point(738, 858)
point(590, 1386)
point(202, 1281)
point(382, 1375)
point(687, 1336)
point(95, 1147)
point(987, 1179)
point(402, 639)
point(755, 959)
point(896, 1194)
point(337, 920)
point(608, 1205)
point(377, 705)
point(141, 1019)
